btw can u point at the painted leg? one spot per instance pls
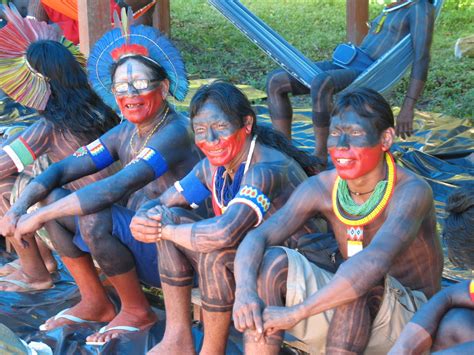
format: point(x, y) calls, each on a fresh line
point(272, 290)
point(321, 135)
point(279, 85)
point(178, 337)
point(94, 306)
point(349, 331)
point(117, 262)
point(216, 332)
point(135, 311)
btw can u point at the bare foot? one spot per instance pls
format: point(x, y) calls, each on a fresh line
point(10, 267)
point(18, 281)
point(140, 319)
point(172, 345)
point(85, 310)
point(7, 269)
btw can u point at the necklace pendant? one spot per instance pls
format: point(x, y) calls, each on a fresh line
point(355, 236)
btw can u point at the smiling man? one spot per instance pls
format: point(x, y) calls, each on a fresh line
point(250, 171)
point(384, 222)
point(155, 146)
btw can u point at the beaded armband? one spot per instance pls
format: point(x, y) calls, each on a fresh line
point(98, 152)
point(192, 189)
point(20, 152)
point(153, 159)
point(255, 199)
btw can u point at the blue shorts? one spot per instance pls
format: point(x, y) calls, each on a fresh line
point(145, 254)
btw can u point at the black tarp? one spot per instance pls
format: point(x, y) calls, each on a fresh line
point(441, 151)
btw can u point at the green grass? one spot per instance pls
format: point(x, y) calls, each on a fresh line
point(212, 47)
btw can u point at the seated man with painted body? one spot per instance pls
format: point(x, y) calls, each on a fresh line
point(73, 116)
point(384, 223)
point(250, 171)
point(445, 324)
point(156, 148)
point(415, 17)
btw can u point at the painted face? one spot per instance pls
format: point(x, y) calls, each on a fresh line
point(219, 138)
point(138, 106)
point(354, 145)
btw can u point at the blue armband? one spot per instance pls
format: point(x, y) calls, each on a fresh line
point(193, 190)
point(154, 160)
point(99, 154)
point(255, 199)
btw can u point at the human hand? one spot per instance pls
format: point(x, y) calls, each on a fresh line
point(145, 229)
point(279, 318)
point(26, 228)
point(8, 223)
point(247, 312)
point(404, 126)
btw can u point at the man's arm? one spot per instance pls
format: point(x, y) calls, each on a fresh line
point(401, 227)
point(421, 21)
point(34, 140)
point(101, 194)
point(417, 336)
point(303, 204)
point(146, 229)
point(228, 229)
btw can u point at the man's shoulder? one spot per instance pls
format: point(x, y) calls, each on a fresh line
point(407, 180)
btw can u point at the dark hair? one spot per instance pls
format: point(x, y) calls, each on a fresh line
point(457, 233)
point(73, 106)
point(158, 72)
point(366, 103)
point(236, 106)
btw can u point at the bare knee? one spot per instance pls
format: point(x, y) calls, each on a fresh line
point(93, 229)
point(456, 327)
point(277, 83)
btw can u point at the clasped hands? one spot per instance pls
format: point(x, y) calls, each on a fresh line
point(250, 313)
point(150, 226)
point(20, 226)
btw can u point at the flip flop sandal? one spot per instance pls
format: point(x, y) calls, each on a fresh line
point(15, 264)
point(70, 317)
point(105, 330)
point(26, 286)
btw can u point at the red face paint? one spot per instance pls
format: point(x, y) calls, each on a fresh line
point(354, 162)
point(141, 107)
point(226, 148)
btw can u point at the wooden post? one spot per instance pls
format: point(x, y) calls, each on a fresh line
point(94, 21)
point(161, 16)
point(357, 15)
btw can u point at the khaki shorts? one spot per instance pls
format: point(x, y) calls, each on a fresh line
point(398, 307)
point(23, 179)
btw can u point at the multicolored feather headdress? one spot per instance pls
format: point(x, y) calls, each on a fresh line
point(126, 40)
point(18, 79)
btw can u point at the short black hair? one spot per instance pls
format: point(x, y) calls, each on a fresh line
point(366, 103)
point(457, 233)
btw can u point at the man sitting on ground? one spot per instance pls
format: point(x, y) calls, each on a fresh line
point(383, 219)
point(155, 146)
point(250, 171)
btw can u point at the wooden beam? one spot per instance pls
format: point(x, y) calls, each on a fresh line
point(161, 16)
point(357, 15)
point(94, 21)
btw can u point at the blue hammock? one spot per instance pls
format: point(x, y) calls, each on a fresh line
point(382, 75)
